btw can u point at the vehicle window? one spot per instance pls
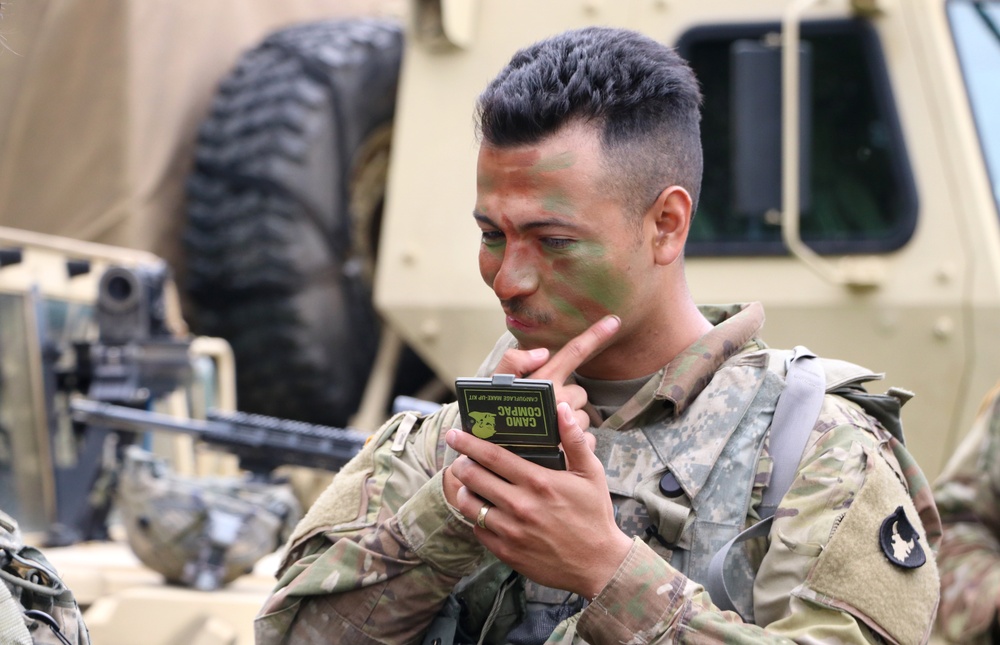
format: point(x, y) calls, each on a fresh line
point(976, 28)
point(25, 475)
point(862, 196)
point(21, 456)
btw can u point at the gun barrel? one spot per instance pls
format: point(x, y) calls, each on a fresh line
point(120, 417)
point(262, 443)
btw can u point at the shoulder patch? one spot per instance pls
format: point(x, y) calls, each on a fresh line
point(855, 574)
point(900, 541)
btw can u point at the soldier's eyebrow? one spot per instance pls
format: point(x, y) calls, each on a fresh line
point(527, 226)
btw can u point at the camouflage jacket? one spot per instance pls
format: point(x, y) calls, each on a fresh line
point(376, 557)
point(968, 496)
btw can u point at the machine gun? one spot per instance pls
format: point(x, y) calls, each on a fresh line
point(260, 442)
point(135, 360)
point(107, 391)
point(197, 531)
point(229, 523)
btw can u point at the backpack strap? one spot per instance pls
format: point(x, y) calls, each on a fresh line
point(795, 416)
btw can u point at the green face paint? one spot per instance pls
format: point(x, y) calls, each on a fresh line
point(559, 203)
point(570, 310)
point(485, 182)
point(603, 286)
point(561, 161)
point(587, 284)
point(494, 247)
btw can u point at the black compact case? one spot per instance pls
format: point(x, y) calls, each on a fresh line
point(516, 413)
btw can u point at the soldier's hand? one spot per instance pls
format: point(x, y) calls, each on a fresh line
point(556, 527)
point(536, 363)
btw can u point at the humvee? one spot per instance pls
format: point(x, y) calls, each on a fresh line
point(316, 206)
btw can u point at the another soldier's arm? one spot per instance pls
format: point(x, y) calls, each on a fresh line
point(378, 553)
point(969, 501)
point(824, 577)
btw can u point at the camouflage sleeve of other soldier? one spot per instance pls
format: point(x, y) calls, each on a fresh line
point(968, 497)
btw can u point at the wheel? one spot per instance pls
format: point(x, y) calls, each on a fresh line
point(283, 206)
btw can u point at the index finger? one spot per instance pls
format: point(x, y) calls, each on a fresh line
point(577, 351)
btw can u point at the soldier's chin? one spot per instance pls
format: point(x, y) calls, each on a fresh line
point(536, 341)
point(532, 340)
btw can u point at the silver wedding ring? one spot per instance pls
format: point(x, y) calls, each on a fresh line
point(481, 519)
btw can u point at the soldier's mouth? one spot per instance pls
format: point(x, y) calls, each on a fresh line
point(521, 318)
point(516, 324)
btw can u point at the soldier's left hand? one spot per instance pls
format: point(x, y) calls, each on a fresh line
point(555, 527)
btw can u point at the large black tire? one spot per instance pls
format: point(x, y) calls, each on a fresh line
point(272, 256)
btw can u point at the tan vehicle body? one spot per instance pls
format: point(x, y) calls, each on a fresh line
point(100, 101)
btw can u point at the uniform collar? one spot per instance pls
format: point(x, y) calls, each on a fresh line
point(683, 379)
point(735, 326)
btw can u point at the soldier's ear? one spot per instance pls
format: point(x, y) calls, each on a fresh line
point(670, 220)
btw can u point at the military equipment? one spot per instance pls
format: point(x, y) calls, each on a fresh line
point(261, 443)
point(135, 360)
point(36, 607)
point(855, 224)
point(201, 532)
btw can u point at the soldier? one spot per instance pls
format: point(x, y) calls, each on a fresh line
point(588, 176)
point(968, 496)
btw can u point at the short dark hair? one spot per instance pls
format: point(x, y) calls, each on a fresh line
point(640, 94)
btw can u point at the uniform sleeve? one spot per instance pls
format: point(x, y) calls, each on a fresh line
point(969, 558)
point(379, 551)
point(824, 576)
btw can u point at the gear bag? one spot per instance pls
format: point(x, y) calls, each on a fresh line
point(794, 417)
point(201, 532)
point(36, 607)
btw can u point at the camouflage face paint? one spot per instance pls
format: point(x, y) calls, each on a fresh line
point(561, 161)
point(559, 203)
point(525, 170)
point(568, 309)
point(553, 250)
point(515, 172)
point(555, 200)
point(586, 286)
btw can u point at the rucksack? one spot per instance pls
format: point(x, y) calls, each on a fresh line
point(201, 532)
point(794, 417)
point(36, 607)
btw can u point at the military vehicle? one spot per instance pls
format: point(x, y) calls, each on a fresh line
point(316, 208)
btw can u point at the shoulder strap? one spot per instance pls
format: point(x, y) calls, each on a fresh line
point(795, 416)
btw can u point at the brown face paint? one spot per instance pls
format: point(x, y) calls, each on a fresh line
point(521, 170)
point(510, 170)
point(519, 261)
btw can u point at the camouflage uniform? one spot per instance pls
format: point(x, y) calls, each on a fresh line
point(377, 556)
point(968, 496)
